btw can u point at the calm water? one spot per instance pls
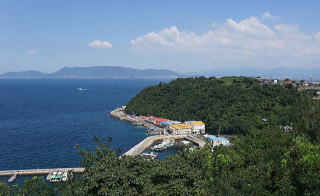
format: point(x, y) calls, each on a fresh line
point(42, 119)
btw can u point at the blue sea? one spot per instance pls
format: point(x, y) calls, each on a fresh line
point(41, 120)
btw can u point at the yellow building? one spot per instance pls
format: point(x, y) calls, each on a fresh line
point(198, 127)
point(181, 129)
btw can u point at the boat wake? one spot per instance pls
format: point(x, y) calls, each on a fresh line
point(83, 89)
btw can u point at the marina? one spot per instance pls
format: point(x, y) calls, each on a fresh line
point(162, 140)
point(163, 130)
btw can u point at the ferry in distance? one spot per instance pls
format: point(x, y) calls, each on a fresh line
point(83, 89)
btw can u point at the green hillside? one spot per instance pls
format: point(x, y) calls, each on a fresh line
point(235, 105)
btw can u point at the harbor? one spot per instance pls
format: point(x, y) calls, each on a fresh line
point(161, 126)
point(164, 133)
point(167, 133)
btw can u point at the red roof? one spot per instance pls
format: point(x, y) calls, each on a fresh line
point(159, 119)
point(142, 117)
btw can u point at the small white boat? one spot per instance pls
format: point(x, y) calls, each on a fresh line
point(58, 176)
point(83, 89)
point(185, 142)
point(164, 145)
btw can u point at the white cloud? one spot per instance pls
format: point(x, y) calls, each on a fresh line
point(317, 36)
point(286, 28)
point(100, 44)
point(32, 52)
point(268, 15)
point(235, 42)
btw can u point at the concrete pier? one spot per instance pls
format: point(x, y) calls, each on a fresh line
point(12, 178)
point(196, 140)
point(147, 143)
point(32, 172)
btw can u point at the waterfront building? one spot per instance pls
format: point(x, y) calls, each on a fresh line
point(169, 123)
point(157, 121)
point(181, 129)
point(217, 141)
point(198, 127)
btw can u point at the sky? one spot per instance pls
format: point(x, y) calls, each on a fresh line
point(180, 35)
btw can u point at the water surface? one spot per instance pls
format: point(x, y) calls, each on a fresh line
point(42, 119)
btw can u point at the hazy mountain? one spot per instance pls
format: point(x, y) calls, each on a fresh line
point(111, 72)
point(96, 72)
point(25, 74)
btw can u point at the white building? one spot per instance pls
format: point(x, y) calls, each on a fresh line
point(198, 127)
point(217, 141)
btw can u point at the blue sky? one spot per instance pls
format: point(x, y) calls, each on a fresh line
point(185, 36)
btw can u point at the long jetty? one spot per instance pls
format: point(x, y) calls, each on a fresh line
point(32, 172)
point(147, 143)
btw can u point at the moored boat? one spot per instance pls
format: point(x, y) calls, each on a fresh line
point(164, 145)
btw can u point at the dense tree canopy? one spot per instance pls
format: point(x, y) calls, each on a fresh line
point(231, 104)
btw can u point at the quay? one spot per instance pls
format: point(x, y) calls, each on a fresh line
point(120, 114)
point(31, 172)
point(147, 143)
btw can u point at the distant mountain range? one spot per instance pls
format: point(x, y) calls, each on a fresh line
point(95, 72)
point(125, 72)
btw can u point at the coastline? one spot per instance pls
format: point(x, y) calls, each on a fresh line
point(120, 114)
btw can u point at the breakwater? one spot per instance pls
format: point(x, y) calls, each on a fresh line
point(151, 128)
point(149, 141)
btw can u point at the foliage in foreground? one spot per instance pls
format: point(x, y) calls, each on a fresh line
point(267, 162)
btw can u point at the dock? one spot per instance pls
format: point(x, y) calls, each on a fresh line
point(148, 142)
point(120, 114)
point(33, 172)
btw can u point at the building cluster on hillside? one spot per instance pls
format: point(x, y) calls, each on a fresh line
point(164, 126)
point(267, 80)
point(176, 127)
point(287, 81)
